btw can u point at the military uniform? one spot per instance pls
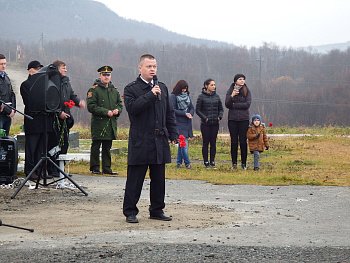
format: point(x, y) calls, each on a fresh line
point(100, 100)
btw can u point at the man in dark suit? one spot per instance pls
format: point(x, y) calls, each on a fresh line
point(152, 125)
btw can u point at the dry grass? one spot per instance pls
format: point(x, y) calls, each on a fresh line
point(314, 160)
point(306, 160)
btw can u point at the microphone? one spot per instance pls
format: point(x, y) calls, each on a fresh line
point(155, 82)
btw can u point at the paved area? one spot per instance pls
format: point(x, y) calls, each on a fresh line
point(211, 223)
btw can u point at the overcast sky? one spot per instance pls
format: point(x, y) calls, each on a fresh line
point(286, 23)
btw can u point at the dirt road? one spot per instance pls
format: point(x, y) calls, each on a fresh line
point(17, 76)
point(211, 223)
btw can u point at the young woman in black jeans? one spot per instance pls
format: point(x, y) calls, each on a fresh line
point(238, 100)
point(209, 108)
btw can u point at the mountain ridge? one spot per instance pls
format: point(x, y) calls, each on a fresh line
point(48, 20)
point(83, 19)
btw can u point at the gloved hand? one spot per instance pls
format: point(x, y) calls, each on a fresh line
point(257, 136)
point(266, 148)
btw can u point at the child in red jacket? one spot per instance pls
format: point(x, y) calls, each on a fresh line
point(257, 139)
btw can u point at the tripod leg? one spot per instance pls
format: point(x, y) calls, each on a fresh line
point(18, 227)
point(27, 178)
point(68, 177)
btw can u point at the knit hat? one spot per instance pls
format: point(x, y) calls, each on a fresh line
point(256, 116)
point(237, 76)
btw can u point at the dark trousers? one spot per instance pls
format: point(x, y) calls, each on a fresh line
point(134, 182)
point(52, 141)
point(238, 133)
point(5, 123)
point(209, 135)
point(65, 142)
point(95, 155)
point(34, 150)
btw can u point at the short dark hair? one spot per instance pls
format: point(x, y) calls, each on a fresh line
point(149, 56)
point(179, 86)
point(2, 56)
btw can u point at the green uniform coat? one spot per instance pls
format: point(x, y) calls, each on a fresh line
point(101, 99)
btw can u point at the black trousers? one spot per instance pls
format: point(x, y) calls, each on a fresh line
point(95, 155)
point(134, 182)
point(65, 142)
point(34, 150)
point(238, 133)
point(5, 123)
point(52, 141)
point(209, 136)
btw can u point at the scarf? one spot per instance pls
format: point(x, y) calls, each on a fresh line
point(183, 101)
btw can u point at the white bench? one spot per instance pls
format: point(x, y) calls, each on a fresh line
point(62, 158)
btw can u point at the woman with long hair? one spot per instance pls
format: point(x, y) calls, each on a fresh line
point(184, 111)
point(238, 100)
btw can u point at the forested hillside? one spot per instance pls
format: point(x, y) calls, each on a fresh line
point(49, 20)
point(289, 87)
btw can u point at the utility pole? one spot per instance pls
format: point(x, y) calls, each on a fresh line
point(260, 59)
point(41, 45)
point(260, 62)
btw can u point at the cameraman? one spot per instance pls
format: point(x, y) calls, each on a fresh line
point(33, 129)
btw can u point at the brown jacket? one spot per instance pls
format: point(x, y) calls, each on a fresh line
point(257, 144)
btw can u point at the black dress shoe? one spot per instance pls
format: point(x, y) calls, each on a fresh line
point(96, 171)
point(161, 217)
point(110, 172)
point(132, 219)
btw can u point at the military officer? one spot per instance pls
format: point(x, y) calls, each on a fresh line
point(105, 105)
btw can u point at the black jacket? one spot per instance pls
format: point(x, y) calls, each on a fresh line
point(209, 108)
point(37, 124)
point(67, 93)
point(7, 94)
point(238, 105)
point(152, 124)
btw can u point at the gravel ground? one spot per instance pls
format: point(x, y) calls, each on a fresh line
point(210, 224)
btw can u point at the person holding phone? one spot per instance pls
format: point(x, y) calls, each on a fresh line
point(238, 100)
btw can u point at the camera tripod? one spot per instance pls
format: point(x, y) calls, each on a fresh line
point(41, 168)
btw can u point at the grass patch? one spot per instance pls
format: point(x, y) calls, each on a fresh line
point(306, 160)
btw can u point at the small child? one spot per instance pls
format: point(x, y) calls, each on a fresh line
point(257, 139)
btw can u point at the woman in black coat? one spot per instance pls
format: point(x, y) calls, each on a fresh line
point(209, 109)
point(238, 100)
point(184, 111)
